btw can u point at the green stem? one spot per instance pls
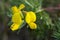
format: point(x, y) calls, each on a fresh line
point(41, 1)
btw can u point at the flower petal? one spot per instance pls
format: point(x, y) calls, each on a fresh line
point(16, 18)
point(15, 9)
point(30, 17)
point(14, 27)
point(32, 25)
point(21, 6)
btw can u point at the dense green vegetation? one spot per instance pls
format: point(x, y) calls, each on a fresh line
point(48, 20)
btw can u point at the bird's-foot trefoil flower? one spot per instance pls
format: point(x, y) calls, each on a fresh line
point(30, 19)
point(16, 17)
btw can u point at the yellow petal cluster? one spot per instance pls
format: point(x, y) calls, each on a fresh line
point(30, 19)
point(16, 17)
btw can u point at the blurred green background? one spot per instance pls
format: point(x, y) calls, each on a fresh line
point(52, 7)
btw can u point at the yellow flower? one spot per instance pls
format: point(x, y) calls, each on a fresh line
point(16, 18)
point(30, 17)
point(21, 6)
point(32, 25)
point(14, 27)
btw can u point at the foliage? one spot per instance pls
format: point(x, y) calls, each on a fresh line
point(47, 28)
